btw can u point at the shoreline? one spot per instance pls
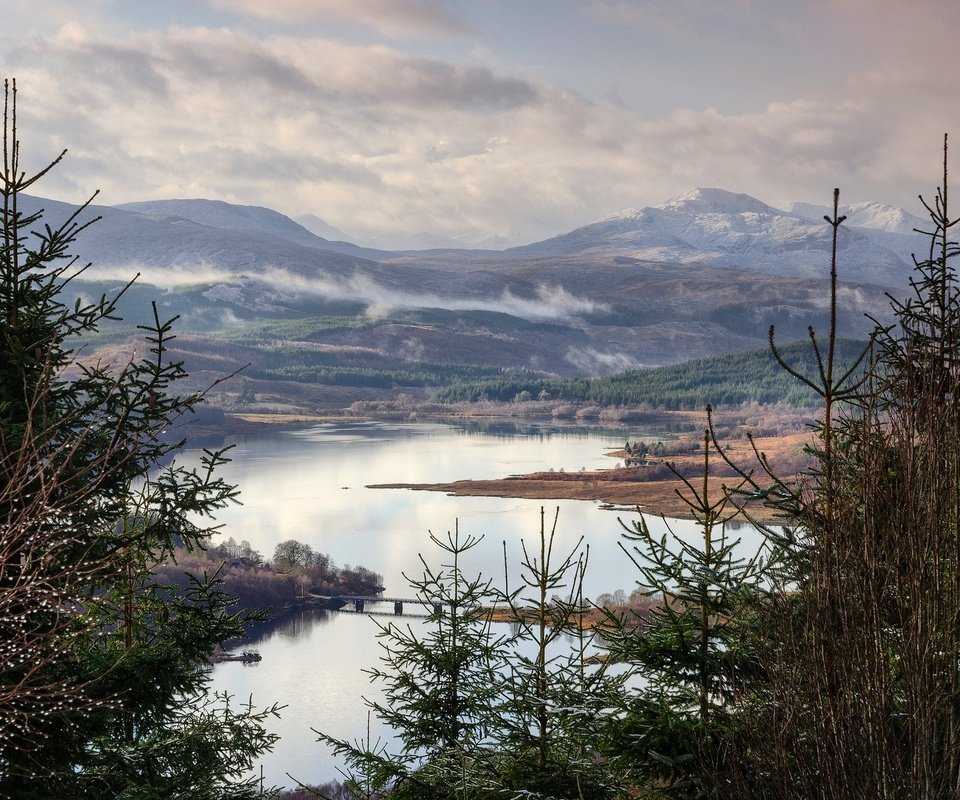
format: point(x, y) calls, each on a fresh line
point(645, 488)
point(650, 489)
point(655, 497)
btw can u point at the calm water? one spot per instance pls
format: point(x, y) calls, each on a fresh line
point(311, 484)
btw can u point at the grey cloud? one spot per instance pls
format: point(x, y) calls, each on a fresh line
point(389, 16)
point(117, 65)
point(378, 76)
point(462, 149)
point(304, 71)
point(269, 165)
point(160, 66)
point(433, 83)
point(235, 61)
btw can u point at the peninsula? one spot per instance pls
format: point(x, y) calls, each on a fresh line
point(654, 487)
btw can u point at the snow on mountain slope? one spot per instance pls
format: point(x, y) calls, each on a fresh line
point(716, 201)
point(891, 227)
point(718, 228)
point(875, 216)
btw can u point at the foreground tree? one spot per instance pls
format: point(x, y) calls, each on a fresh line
point(440, 687)
point(101, 690)
point(693, 652)
point(861, 644)
point(553, 702)
point(484, 714)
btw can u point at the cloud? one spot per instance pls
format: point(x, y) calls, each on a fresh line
point(279, 74)
point(163, 277)
point(392, 17)
point(390, 141)
point(298, 125)
point(549, 302)
point(593, 362)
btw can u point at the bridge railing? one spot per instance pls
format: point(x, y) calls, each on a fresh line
point(360, 601)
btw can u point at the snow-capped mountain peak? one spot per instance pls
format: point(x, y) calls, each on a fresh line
point(718, 228)
point(716, 201)
point(696, 202)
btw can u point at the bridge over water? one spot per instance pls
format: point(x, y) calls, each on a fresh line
point(360, 602)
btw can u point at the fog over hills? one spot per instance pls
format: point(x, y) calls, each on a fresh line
point(704, 273)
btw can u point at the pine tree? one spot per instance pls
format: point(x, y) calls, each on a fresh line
point(482, 714)
point(861, 645)
point(98, 664)
point(440, 687)
point(554, 704)
point(692, 652)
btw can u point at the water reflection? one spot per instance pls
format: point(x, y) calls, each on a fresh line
point(295, 624)
point(311, 485)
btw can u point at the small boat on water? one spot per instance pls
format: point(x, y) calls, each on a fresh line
point(247, 656)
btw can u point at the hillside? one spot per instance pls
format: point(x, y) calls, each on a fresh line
point(728, 379)
point(701, 275)
point(716, 228)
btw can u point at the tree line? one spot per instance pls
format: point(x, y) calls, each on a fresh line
point(256, 584)
point(723, 380)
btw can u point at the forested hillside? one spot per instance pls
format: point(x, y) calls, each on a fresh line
point(752, 376)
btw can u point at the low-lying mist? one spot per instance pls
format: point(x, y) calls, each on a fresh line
point(548, 302)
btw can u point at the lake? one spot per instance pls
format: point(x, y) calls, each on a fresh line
point(310, 485)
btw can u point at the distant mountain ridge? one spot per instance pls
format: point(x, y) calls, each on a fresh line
point(228, 216)
point(705, 226)
point(714, 227)
point(248, 219)
point(704, 273)
point(322, 228)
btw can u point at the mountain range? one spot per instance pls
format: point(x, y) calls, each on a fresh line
point(706, 272)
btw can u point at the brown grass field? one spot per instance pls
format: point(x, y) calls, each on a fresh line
point(654, 488)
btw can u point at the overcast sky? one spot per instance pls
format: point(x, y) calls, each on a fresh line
point(516, 119)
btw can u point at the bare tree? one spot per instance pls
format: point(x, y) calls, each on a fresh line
point(861, 644)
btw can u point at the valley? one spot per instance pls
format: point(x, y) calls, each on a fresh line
point(316, 326)
point(651, 314)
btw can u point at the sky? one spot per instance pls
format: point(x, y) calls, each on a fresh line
point(490, 122)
